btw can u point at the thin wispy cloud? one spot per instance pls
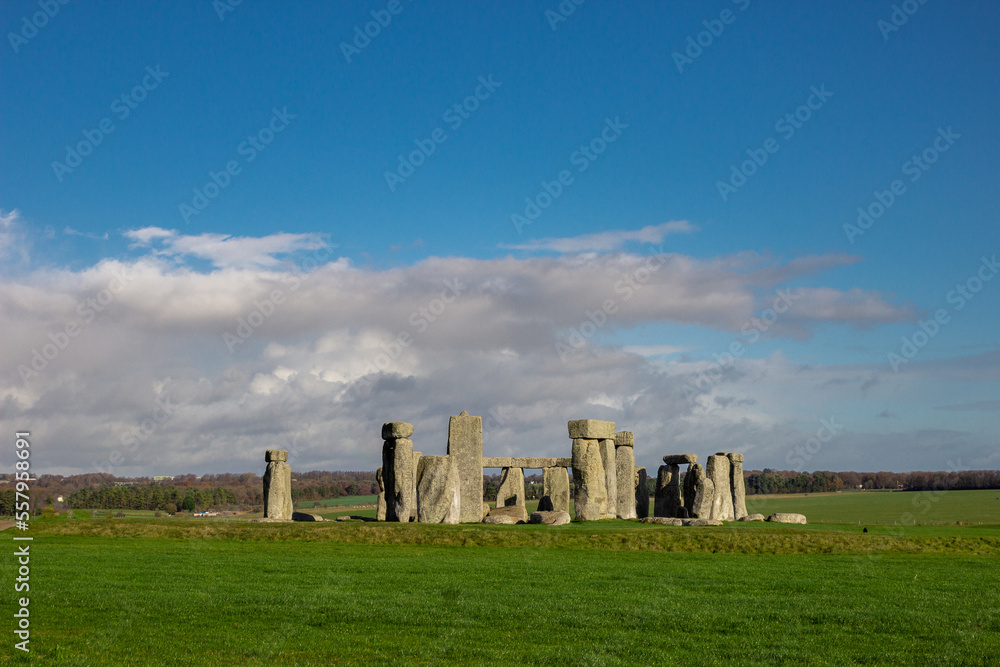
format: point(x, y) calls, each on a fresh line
point(606, 241)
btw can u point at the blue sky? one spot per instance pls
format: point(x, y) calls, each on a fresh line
point(310, 128)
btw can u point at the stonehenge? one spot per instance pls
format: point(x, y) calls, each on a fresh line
point(277, 486)
point(607, 483)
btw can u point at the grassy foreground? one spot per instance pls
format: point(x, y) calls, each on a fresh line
point(196, 592)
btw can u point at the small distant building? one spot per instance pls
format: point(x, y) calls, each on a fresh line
point(162, 478)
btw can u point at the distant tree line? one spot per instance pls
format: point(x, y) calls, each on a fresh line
point(790, 481)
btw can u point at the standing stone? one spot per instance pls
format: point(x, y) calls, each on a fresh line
point(397, 475)
point(277, 485)
point(738, 486)
point(704, 493)
point(416, 469)
point(439, 492)
point(667, 491)
point(465, 443)
point(591, 429)
point(590, 501)
point(695, 475)
point(380, 508)
point(555, 490)
point(609, 460)
point(625, 475)
point(641, 493)
point(717, 470)
point(511, 491)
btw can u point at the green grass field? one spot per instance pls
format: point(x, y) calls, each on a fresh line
point(343, 500)
point(150, 591)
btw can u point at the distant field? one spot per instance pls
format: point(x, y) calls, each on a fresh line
point(343, 500)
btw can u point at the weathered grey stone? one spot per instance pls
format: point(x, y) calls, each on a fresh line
point(276, 455)
point(416, 470)
point(737, 485)
point(787, 517)
point(556, 518)
point(624, 439)
point(608, 459)
point(278, 490)
point(662, 520)
point(678, 459)
point(511, 491)
point(509, 514)
point(751, 517)
point(555, 490)
point(590, 501)
point(625, 476)
point(486, 509)
point(393, 430)
point(380, 506)
point(717, 469)
point(692, 478)
point(702, 522)
point(668, 491)
point(439, 493)
point(465, 442)
point(397, 475)
point(591, 429)
point(704, 493)
point(526, 462)
point(682, 513)
point(641, 493)
point(302, 516)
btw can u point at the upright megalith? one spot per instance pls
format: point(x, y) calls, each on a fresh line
point(737, 485)
point(717, 470)
point(668, 491)
point(415, 468)
point(511, 491)
point(555, 490)
point(465, 443)
point(439, 492)
point(380, 507)
point(702, 492)
point(609, 461)
point(277, 485)
point(641, 493)
point(625, 475)
point(589, 476)
point(397, 470)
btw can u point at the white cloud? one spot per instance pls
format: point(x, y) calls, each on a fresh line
point(223, 250)
point(606, 241)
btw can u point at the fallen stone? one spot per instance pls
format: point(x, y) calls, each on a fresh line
point(439, 493)
point(625, 477)
point(502, 518)
point(555, 490)
point(787, 517)
point(590, 501)
point(276, 455)
point(465, 442)
point(662, 520)
point(511, 491)
point(393, 430)
point(302, 516)
point(717, 469)
point(609, 460)
point(557, 518)
point(515, 512)
point(591, 429)
point(624, 439)
point(641, 493)
point(701, 522)
point(751, 517)
point(677, 459)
